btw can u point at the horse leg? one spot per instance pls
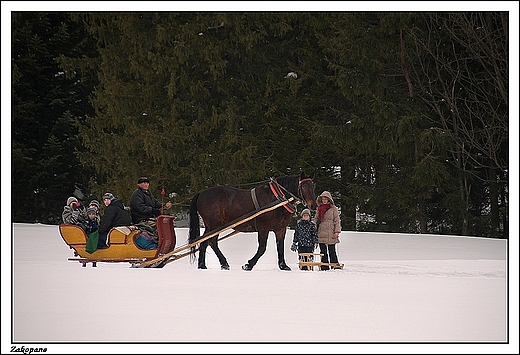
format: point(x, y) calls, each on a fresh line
point(202, 255)
point(221, 258)
point(280, 246)
point(262, 245)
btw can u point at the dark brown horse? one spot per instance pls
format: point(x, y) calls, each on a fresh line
point(220, 205)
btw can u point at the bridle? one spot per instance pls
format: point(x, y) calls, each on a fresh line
point(300, 193)
point(300, 196)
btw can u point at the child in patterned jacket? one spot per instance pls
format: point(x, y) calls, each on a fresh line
point(305, 234)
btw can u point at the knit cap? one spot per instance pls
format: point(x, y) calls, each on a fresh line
point(71, 199)
point(94, 203)
point(109, 196)
point(306, 211)
point(91, 210)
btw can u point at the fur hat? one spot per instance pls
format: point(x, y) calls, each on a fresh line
point(109, 196)
point(306, 211)
point(143, 179)
point(71, 199)
point(94, 203)
point(91, 210)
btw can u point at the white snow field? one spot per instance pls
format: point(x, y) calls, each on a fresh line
point(397, 289)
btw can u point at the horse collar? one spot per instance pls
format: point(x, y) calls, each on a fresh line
point(278, 193)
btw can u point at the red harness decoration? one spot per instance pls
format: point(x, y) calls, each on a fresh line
point(278, 193)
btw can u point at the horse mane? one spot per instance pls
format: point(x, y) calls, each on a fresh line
point(290, 183)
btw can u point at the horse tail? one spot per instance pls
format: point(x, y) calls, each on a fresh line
point(194, 231)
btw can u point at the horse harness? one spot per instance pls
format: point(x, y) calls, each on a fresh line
point(276, 189)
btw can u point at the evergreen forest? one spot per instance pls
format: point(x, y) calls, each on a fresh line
point(403, 117)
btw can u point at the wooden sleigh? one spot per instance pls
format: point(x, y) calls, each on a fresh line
point(121, 242)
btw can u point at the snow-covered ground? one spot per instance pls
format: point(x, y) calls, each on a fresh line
point(427, 291)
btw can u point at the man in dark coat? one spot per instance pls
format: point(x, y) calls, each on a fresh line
point(115, 216)
point(145, 208)
point(142, 203)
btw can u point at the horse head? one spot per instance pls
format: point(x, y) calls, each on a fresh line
point(306, 190)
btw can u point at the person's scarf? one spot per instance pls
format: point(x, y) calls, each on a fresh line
point(322, 209)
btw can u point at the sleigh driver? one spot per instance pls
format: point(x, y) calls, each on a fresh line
point(145, 208)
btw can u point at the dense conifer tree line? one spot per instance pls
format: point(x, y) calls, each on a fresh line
point(46, 109)
point(403, 117)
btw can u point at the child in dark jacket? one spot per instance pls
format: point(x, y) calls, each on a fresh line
point(305, 234)
point(92, 221)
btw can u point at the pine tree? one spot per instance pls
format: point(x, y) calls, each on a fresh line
point(197, 99)
point(45, 105)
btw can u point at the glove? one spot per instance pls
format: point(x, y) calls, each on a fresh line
point(293, 247)
point(156, 212)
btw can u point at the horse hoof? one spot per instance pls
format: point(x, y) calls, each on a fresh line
point(285, 267)
point(224, 267)
point(202, 267)
point(247, 267)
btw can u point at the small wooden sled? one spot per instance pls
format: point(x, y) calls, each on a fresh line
point(311, 260)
